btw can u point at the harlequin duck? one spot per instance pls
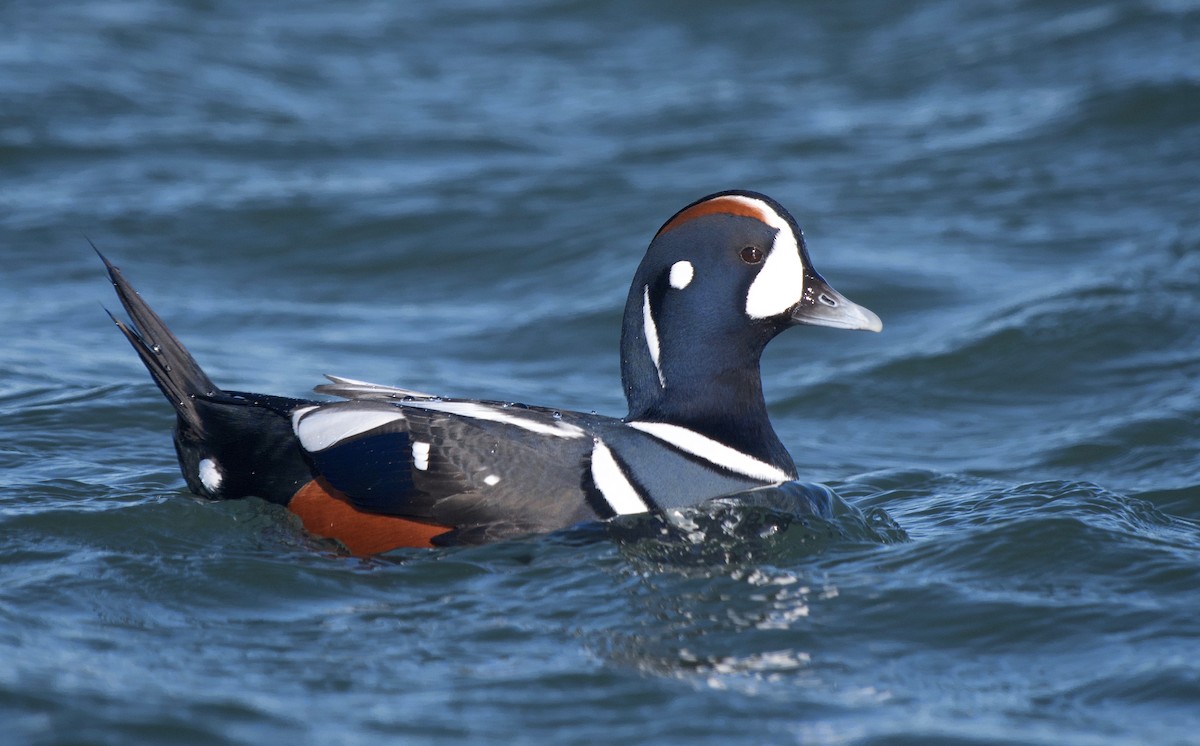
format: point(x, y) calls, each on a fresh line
point(388, 467)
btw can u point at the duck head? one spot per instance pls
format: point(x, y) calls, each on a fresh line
point(721, 278)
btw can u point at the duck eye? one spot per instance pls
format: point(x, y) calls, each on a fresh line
point(751, 255)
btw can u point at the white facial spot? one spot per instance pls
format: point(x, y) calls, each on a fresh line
point(780, 281)
point(681, 274)
point(420, 453)
point(651, 332)
point(491, 480)
point(210, 475)
point(608, 477)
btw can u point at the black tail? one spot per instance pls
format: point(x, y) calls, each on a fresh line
point(230, 444)
point(173, 368)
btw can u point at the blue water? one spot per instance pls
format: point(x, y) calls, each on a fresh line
point(454, 199)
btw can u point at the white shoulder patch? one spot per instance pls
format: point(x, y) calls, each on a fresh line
point(319, 428)
point(420, 454)
point(710, 450)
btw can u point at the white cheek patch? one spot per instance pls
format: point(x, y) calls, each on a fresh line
point(780, 282)
point(420, 454)
point(681, 274)
point(651, 332)
point(210, 475)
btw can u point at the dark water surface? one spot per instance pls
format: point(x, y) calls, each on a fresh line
point(454, 199)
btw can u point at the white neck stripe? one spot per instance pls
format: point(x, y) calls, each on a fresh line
point(651, 332)
point(710, 450)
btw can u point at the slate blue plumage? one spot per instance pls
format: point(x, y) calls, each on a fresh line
point(720, 279)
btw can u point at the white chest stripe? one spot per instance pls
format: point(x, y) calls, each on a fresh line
point(651, 334)
point(490, 413)
point(613, 484)
point(708, 449)
point(780, 282)
point(319, 429)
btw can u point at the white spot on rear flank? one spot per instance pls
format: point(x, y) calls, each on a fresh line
point(420, 453)
point(491, 480)
point(651, 332)
point(681, 274)
point(614, 486)
point(210, 475)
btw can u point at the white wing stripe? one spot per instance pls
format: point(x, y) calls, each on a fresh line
point(491, 413)
point(319, 428)
point(350, 388)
